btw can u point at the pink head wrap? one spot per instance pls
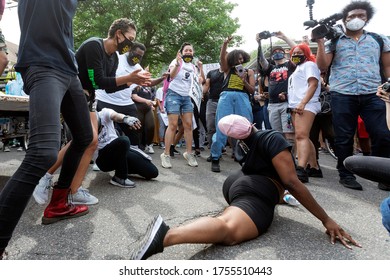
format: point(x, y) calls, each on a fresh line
point(235, 126)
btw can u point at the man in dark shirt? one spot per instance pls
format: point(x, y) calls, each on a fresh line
point(48, 66)
point(278, 75)
point(212, 87)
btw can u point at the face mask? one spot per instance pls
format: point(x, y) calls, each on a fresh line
point(298, 59)
point(355, 24)
point(278, 56)
point(134, 59)
point(187, 58)
point(125, 46)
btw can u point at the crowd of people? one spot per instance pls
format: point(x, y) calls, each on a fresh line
point(111, 106)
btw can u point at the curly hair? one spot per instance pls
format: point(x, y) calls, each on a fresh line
point(306, 51)
point(123, 24)
point(233, 56)
point(184, 45)
point(137, 45)
point(359, 5)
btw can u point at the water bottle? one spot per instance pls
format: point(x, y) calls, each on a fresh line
point(290, 200)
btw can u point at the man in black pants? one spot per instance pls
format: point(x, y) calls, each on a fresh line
point(48, 66)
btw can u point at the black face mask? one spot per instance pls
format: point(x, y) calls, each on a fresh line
point(125, 46)
point(187, 58)
point(298, 59)
point(134, 59)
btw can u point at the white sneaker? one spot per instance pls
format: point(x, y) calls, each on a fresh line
point(149, 149)
point(83, 197)
point(95, 167)
point(6, 149)
point(138, 150)
point(124, 183)
point(190, 159)
point(165, 161)
point(41, 191)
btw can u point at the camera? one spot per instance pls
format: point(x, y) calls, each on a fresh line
point(266, 34)
point(326, 28)
point(386, 86)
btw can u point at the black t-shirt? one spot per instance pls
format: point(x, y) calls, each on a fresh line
point(47, 35)
point(264, 145)
point(216, 81)
point(278, 80)
point(97, 69)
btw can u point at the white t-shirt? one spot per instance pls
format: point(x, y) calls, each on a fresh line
point(121, 97)
point(159, 94)
point(108, 132)
point(182, 83)
point(298, 83)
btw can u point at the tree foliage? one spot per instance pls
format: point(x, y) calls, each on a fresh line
point(162, 26)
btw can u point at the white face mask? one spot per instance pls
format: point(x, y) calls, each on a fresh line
point(355, 24)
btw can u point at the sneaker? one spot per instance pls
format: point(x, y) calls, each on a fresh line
point(165, 161)
point(173, 151)
point(162, 145)
point(41, 191)
point(302, 174)
point(190, 159)
point(6, 149)
point(149, 149)
point(313, 172)
point(138, 150)
point(215, 166)
point(153, 240)
point(351, 183)
point(209, 159)
point(95, 167)
point(123, 183)
point(83, 197)
point(383, 187)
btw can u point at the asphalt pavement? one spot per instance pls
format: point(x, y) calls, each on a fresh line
point(184, 193)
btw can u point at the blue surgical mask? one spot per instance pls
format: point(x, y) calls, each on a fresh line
point(278, 56)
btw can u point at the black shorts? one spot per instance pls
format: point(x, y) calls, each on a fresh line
point(256, 195)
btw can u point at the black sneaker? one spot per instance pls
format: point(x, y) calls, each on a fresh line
point(215, 166)
point(152, 242)
point(351, 183)
point(173, 151)
point(209, 159)
point(312, 172)
point(302, 174)
point(383, 187)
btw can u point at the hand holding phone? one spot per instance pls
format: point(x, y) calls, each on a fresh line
point(240, 70)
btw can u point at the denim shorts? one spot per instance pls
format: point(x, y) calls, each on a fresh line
point(177, 104)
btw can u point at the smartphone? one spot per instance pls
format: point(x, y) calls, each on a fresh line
point(240, 70)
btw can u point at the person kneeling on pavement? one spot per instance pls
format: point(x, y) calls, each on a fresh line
point(252, 194)
point(114, 151)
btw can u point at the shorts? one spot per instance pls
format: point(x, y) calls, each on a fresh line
point(361, 129)
point(3, 45)
point(177, 104)
point(256, 195)
point(314, 107)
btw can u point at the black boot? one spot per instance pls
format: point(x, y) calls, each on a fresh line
point(215, 165)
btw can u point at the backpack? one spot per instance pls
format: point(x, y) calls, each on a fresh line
point(380, 42)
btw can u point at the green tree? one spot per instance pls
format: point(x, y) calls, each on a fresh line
point(162, 26)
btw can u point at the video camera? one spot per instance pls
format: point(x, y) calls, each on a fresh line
point(386, 86)
point(266, 34)
point(326, 28)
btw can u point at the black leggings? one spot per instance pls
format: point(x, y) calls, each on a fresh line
point(51, 93)
point(256, 195)
point(118, 156)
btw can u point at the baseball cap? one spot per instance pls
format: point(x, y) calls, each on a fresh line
point(277, 48)
point(235, 126)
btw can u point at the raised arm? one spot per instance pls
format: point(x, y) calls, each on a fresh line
point(323, 59)
point(223, 55)
point(261, 60)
